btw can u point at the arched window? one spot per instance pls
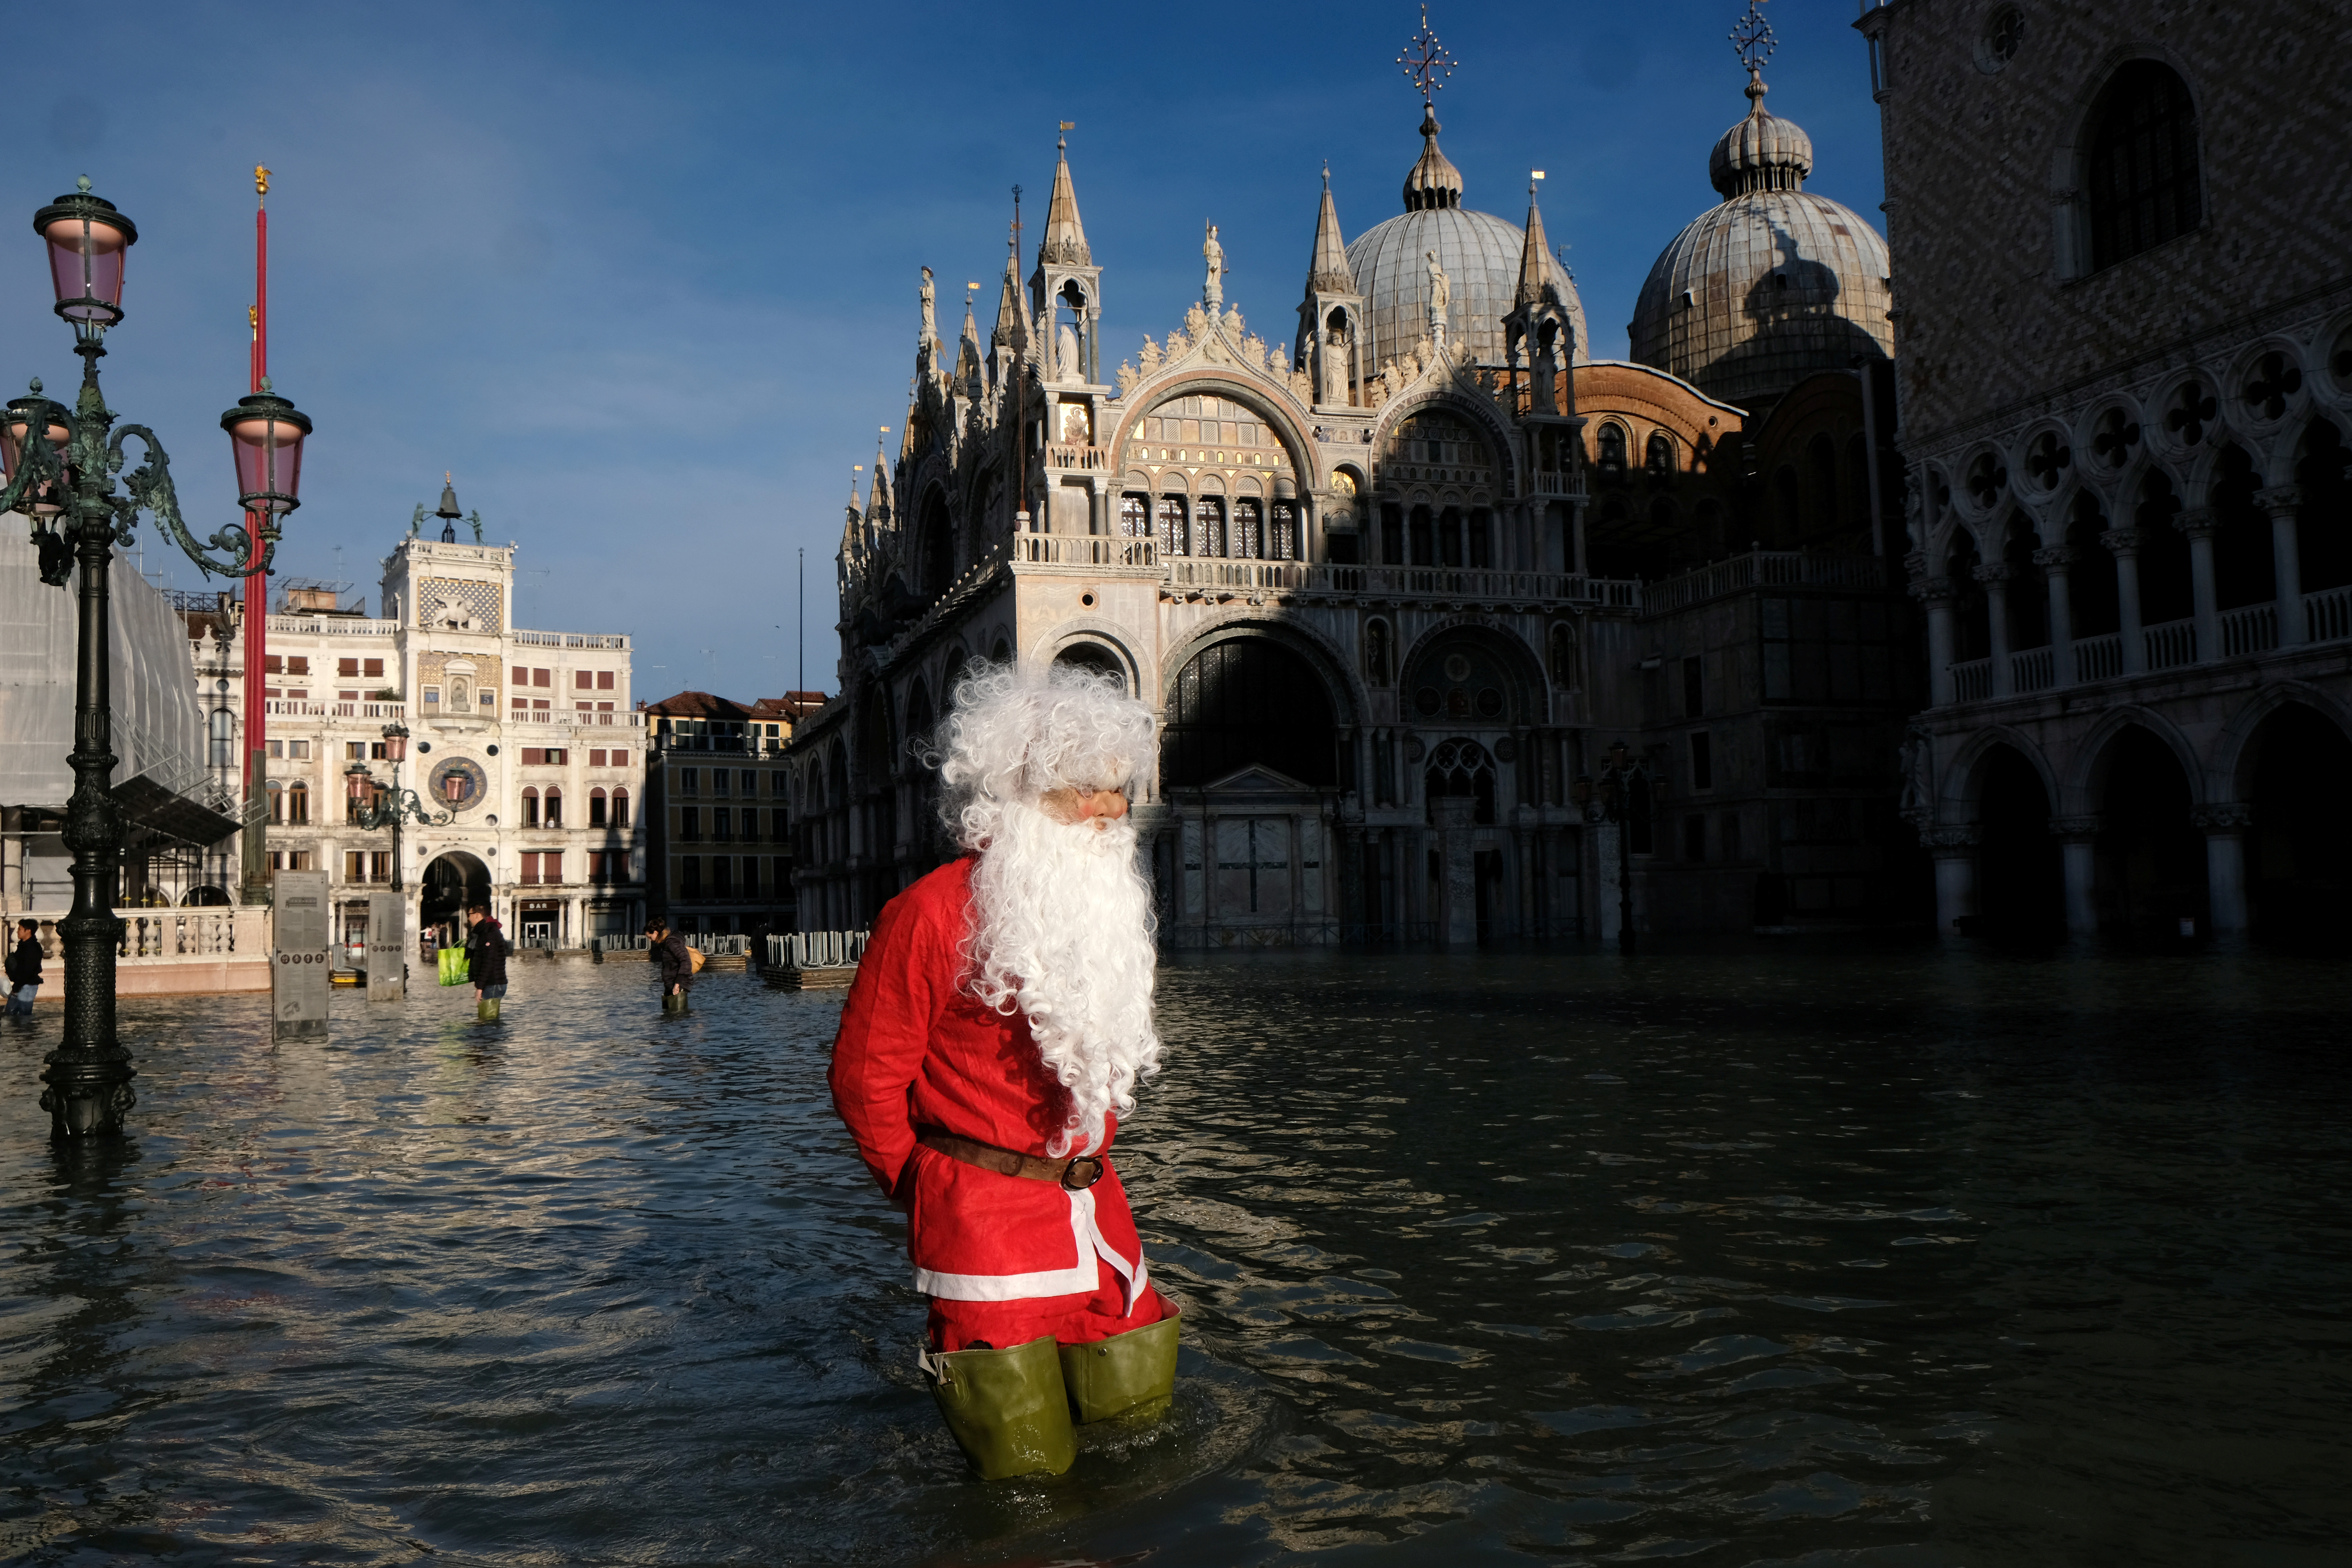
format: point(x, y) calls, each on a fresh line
point(554, 817)
point(530, 806)
point(620, 808)
point(1135, 516)
point(1660, 462)
point(1171, 525)
point(297, 805)
point(2142, 179)
point(1613, 452)
point(1563, 655)
point(277, 801)
point(1424, 544)
point(1249, 530)
point(1209, 527)
point(1460, 768)
point(1285, 543)
point(596, 808)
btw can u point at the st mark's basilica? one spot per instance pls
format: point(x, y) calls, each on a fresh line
point(1403, 574)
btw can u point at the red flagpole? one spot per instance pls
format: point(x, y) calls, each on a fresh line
point(257, 582)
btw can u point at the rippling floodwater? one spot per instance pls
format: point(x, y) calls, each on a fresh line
point(1726, 1260)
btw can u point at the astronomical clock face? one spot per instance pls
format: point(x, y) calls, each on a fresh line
point(459, 785)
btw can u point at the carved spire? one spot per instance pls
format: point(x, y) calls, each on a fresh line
point(1533, 254)
point(1328, 272)
point(968, 354)
point(877, 497)
point(1065, 238)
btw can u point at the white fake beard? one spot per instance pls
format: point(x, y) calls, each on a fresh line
point(1062, 927)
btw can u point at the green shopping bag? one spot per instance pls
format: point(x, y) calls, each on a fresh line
point(452, 966)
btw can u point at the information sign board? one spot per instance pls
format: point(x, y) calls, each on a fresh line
point(388, 947)
point(300, 969)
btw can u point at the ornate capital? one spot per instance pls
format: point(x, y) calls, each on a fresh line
point(1935, 592)
point(2196, 522)
point(2124, 541)
point(2075, 827)
point(1993, 572)
point(2281, 500)
point(2224, 817)
point(1948, 839)
point(2057, 558)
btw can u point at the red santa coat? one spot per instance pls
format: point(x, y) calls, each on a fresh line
point(917, 1051)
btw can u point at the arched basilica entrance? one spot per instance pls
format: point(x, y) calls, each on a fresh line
point(1250, 767)
point(451, 880)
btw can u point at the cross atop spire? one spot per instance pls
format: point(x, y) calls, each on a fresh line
point(1753, 41)
point(1425, 63)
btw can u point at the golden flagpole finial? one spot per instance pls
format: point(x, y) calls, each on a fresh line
point(260, 180)
point(253, 318)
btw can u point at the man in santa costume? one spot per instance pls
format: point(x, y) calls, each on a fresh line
point(1000, 1020)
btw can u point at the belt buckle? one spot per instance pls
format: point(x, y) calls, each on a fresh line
point(1071, 1170)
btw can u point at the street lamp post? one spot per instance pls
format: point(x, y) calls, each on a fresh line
point(60, 467)
point(370, 813)
point(1625, 784)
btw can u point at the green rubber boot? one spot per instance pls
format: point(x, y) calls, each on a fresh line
point(1006, 1408)
point(674, 1001)
point(1133, 1372)
point(487, 1010)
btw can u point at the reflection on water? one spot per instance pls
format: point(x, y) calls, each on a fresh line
point(1724, 1258)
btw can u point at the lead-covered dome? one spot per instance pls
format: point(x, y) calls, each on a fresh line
point(1770, 287)
point(1479, 252)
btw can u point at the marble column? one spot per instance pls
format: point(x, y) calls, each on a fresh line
point(1099, 515)
point(2224, 825)
point(2077, 837)
point(2196, 522)
point(1995, 577)
point(2284, 503)
point(2124, 543)
point(1576, 533)
point(1953, 846)
point(1937, 593)
point(2055, 563)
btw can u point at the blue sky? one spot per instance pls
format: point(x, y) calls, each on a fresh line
point(643, 277)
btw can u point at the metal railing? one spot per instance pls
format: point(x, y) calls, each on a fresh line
point(2172, 645)
point(2327, 615)
point(2099, 658)
point(2253, 628)
point(1765, 569)
point(2032, 669)
point(1972, 680)
point(815, 949)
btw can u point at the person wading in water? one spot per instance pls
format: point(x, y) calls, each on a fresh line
point(998, 1024)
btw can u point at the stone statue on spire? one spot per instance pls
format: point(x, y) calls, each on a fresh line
point(930, 295)
point(1212, 291)
point(1441, 296)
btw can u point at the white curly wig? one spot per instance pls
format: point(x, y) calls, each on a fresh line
point(1062, 914)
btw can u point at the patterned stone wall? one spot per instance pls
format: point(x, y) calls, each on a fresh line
point(474, 607)
point(1982, 176)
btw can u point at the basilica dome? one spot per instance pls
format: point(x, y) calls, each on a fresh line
point(1770, 287)
point(1479, 252)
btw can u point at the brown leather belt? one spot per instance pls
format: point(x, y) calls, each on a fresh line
point(1075, 1174)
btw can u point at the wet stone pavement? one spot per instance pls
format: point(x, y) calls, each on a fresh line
point(1725, 1258)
